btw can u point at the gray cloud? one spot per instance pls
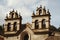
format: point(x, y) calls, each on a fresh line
point(3, 2)
point(26, 7)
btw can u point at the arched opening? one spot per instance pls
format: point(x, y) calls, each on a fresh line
point(15, 26)
point(40, 12)
point(9, 27)
point(36, 24)
point(12, 15)
point(43, 23)
point(16, 15)
point(24, 36)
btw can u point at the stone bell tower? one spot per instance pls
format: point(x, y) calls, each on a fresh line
point(12, 23)
point(41, 20)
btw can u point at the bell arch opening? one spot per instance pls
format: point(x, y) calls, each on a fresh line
point(15, 26)
point(43, 24)
point(36, 24)
point(9, 27)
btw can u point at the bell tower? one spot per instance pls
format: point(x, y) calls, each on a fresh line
point(41, 20)
point(12, 23)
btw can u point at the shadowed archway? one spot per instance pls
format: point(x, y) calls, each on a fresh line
point(24, 36)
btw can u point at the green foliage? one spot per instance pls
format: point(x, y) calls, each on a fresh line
point(53, 28)
point(59, 29)
point(1, 28)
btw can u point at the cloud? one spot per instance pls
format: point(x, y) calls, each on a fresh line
point(1, 14)
point(12, 2)
point(3, 2)
point(25, 12)
point(27, 2)
point(20, 2)
point(44, 2)
point(21, 5)
point(26, 7)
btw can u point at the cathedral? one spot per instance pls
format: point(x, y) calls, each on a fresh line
point(38, 30)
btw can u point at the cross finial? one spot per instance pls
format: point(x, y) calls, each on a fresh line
point(48, 10)
point(16, 11)
point(40, 6)
point(6, 15)
point(19, 14)
point(33, 13)
point(13, 10)
point(44, 7)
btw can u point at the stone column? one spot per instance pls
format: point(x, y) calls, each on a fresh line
point(11, 27)
point(40, 25)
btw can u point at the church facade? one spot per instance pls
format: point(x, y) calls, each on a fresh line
point(38, 30)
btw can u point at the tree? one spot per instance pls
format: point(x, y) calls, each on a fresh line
point(1, 28)
point(53, 28)
point(59, 29)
